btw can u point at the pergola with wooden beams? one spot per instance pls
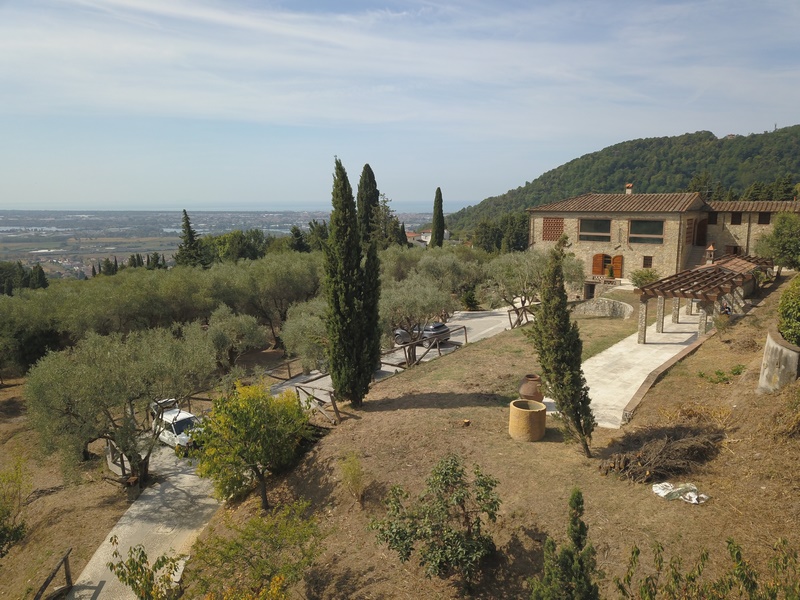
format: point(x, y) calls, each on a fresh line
point(708, 286)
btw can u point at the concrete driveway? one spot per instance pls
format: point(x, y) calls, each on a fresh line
point(477, 325)
point(166, 518)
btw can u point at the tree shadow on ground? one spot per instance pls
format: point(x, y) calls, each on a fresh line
point(12, 407)
point(436, 400)
point(507, 571)
point(319, 582)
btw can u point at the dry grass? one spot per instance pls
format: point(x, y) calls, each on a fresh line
point(410, 421)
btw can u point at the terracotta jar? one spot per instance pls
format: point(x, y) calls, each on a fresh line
point(530, 388)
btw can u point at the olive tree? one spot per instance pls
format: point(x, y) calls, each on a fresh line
point(516, 279)
point(413, 303)
point(305, 335)
point(102, 389)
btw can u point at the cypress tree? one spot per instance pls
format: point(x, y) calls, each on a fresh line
point(116, 266)
point(402, 238)
point(94, 271)
point(189, 253)
point(437, 229)
point(9, 287)
point(38, 278)
point(569, 573)
point(343, 288)
point(558, 344)
point(367, 205)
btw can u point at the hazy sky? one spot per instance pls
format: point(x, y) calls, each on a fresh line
point(243, 104)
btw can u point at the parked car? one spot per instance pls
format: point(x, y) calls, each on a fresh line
point(430, 333)
point(173, 425)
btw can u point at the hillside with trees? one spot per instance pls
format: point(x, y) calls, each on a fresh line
point(736, 166)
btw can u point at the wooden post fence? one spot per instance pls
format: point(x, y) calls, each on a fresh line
point(61, 591)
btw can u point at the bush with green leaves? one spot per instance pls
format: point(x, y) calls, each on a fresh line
point(258, 558)
point(353, 476)
point(641, 277)
point(446, 523)
point(13, 484)
point(148, 582)
point(789, 313)
point(667, 581)
point(249, 435)
point(569, 572)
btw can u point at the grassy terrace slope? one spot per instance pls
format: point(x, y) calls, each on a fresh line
point(411, 420)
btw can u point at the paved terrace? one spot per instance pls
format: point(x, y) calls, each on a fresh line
point(616, 375)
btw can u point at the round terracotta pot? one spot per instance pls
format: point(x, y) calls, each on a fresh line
point(527, 420)
point(531, 388)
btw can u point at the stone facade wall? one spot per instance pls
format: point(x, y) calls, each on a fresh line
point(667, 258)
point(745, 235)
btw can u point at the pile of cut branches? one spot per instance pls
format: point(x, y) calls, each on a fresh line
point(657, 454)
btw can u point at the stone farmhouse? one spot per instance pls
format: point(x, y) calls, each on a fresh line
point(615, 234)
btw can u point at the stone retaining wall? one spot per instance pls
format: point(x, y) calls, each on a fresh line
point(779, 367)
point(604, 307)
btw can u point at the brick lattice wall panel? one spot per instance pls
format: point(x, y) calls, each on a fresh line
point(552, 228)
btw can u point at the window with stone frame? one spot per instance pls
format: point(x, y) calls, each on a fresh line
point(736, 218)
point(647, 262)
point(764, 218)
point(712, 218)
point(552, 229)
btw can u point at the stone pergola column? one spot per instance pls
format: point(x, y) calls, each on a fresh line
point(676, 310)
point(660, 314)
point(706, 308)
point(642, 337)
point(689, 306)
point(737, 300)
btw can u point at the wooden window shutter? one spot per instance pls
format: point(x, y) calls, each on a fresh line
point(597, 264)
point(616, 262)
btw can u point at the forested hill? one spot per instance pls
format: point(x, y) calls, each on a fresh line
point(665, 164)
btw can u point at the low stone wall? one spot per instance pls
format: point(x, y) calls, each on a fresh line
point(603, 307)
point(779, 367)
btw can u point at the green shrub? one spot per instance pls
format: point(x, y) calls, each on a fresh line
point(13, 484)
point(149, 582)
point(789, 313)
point(353, 476)
point(641, 277)
point(446, 520)
point(569, 572)
point(258, 558)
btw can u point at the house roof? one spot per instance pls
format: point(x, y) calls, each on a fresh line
point(656, 203)
point(755, 206)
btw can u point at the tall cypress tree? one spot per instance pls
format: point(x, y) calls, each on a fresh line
point(437, 230)
point(189, 253)
point(343, 288)
point(558, 344)
point(368, 201)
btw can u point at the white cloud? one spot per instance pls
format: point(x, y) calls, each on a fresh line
point(491, 74)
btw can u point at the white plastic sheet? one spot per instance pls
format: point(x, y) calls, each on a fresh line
point(685, 491)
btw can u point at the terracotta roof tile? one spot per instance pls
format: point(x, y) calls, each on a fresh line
point(755, 206)
point(656, 203)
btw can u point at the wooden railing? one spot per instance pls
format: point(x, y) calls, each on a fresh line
point(61, 591)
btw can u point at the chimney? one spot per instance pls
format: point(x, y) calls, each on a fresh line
point(710, 255)
point(628, 188)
